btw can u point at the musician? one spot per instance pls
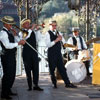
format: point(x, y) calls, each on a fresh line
point(30, 57)
point(8, 58)
point(80, 44)
point(53, 42)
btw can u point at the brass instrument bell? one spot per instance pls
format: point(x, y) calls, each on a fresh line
point(25, 33)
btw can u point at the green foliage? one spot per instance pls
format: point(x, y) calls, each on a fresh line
point(54, 6)
point(59, 11)
point(64, 23)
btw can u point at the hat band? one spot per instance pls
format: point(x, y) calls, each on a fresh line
point(7, 21)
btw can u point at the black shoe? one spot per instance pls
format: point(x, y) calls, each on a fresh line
point(37, 88)
point(89, 74)
point(70, 86)
point(29, 89)
point(6, 97)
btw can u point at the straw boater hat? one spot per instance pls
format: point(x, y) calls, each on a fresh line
point(24, 21)
point(8, 20)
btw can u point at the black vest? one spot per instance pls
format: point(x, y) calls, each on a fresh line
point(32, 41)
point(57, 47)
point(75, 42)
point(11, 40)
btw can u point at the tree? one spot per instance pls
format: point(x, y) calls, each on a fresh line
point(54, 6)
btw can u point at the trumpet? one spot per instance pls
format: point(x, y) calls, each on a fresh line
point(42, 25)
point(37, 26)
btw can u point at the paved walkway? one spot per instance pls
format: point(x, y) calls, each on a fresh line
point(84, 90)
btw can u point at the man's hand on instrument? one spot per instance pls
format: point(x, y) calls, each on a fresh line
point(21, 42)
point(59, 38)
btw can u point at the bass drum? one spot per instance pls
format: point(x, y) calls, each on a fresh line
point(76, 71)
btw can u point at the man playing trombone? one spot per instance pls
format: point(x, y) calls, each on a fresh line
point(30, 56)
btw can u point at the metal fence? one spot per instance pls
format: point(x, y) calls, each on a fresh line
point(43, 64)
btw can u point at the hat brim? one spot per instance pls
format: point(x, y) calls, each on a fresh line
point(75, 31)
point(8, 22)
point(28, 20)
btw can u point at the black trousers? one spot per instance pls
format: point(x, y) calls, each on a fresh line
point(31, 64)
point(9, 71)
point(57, 61)
point(87, 65)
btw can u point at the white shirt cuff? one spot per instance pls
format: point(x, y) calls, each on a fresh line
point(52, 43)
point(16, 44)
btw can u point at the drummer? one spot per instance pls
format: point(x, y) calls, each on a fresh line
point(80, 44)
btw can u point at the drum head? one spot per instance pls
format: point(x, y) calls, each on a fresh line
point(76, 71)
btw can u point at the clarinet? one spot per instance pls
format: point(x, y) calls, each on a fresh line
point(57, 33)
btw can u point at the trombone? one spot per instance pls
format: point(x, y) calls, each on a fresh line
point(25, 33)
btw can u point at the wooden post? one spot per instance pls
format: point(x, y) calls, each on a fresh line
point(27, 9)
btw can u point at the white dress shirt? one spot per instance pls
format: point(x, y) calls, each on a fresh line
point(70, 41)
point(50, 43)
point(5, 40)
